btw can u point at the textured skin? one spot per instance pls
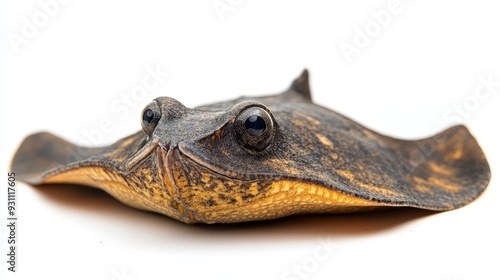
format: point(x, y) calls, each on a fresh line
point(194, 169)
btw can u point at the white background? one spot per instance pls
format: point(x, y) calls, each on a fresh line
point(73, 73)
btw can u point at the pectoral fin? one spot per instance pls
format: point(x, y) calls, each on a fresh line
point(44, 155)
point(443, 172)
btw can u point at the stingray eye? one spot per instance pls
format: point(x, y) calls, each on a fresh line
point(150, 117)
point(254, 128)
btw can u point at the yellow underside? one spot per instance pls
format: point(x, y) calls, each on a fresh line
point(286, 198)
point(283, 198)
point(115, 186)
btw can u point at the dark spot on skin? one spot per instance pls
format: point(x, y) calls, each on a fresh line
point(211, 202)
point(247, 196)
point(264, 186)
point(212, 186)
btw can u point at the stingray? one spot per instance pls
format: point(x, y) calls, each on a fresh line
point(258, 158)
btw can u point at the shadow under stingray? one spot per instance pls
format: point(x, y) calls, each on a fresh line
point(95, 201)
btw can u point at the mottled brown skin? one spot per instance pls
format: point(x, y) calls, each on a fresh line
point(194, 167)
